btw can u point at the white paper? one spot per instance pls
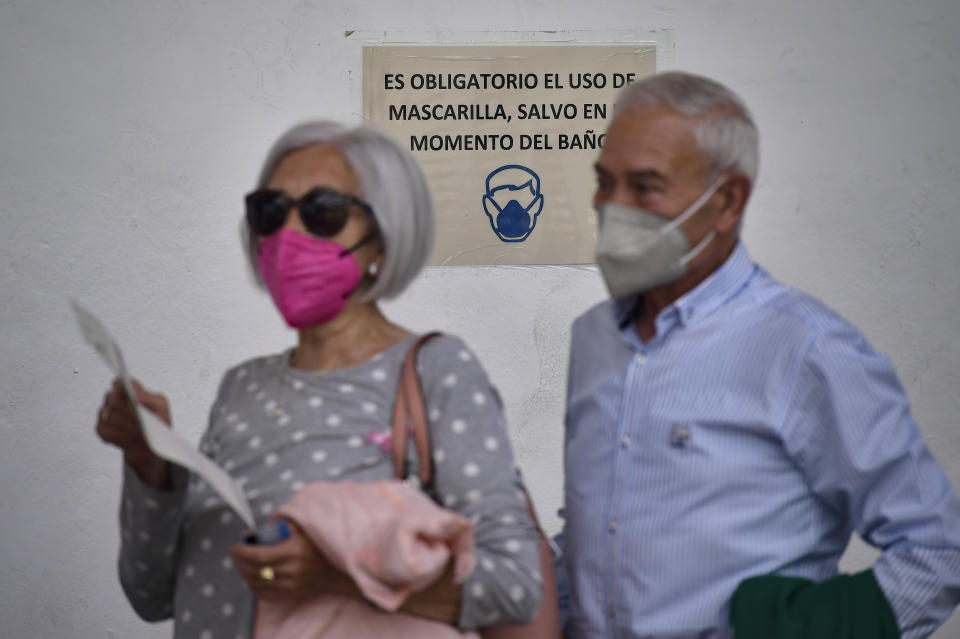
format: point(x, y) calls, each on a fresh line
point(161, 438)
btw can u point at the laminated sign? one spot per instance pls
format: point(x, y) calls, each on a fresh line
point(507, 136)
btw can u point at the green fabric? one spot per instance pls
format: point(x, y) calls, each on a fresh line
point(845, 607)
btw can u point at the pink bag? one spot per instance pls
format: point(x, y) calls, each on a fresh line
point(409, 416)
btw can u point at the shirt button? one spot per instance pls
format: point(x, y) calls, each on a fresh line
point(640, 359)
point(625, 442)
point(612, 525)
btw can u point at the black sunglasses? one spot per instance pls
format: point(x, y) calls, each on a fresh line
point(324, 211)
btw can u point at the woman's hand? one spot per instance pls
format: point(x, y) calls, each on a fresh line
point(294, 568)
point(117, 425)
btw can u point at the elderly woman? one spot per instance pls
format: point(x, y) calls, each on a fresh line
point(340, 218)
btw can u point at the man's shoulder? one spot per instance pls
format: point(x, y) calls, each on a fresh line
point(794, 309)
point(600, 316)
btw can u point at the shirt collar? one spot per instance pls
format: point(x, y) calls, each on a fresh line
point(709, 295)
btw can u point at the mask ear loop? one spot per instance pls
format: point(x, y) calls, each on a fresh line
point(695, 207)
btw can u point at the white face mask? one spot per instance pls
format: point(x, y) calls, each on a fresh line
point(638, 250)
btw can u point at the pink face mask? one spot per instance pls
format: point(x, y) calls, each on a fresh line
point(309, 278)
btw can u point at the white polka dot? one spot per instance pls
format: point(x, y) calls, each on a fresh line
point(334, 420)
point(255, 442)
point(210, 502)
point(371, 461)
point(151, 503)
point(297, 485)
point(449, 500)
point(369, 408)
point(479, 398)
point(252, 387)
point(510, 563)
point(229, 465)
point(474, 496)
point(242, 481)
point(299, 436)
point(508, 520)
point(269, 406)
point(355, 442)
point(517, 593)
point(241, 373)
point(266, 508)
point(458, 425)
point(319, 455)
point(286, 475)
point(379, 374)
point(477, 590)
point(186, 616)
point(260, 396)
point(297, 385)
point(189, 571)
point(227, 610)
point(227, 563)
point(512, 545)
point(346, 388)
point(315, 402)
point(334, 471)
point(208, 590)
point(206, 544)
point(253, 493)
point(464, 356)
point(450, 380)
point(226, 517)
point(470, 469)
point(537, 576)
point(270, 459)
point(283, 420)
point(143, 535)
point(434, 414)
point(439, 455)
point(488, 564)
point(206, 634)
point(491, 444)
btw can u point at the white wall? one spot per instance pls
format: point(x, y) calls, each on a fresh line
point(130, 129)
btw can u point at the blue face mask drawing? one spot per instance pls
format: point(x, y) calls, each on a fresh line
point(512, 202)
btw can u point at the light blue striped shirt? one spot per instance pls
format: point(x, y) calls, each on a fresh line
point(752, 435)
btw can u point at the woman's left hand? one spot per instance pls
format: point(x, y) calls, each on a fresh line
point(293, 568)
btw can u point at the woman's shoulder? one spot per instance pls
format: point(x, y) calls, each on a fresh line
point(446, 350)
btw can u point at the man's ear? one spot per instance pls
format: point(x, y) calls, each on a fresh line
point(733, 194)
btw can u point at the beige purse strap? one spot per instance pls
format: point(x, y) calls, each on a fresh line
point(409, 417)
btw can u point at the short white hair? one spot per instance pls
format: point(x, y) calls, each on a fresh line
point(726, 135)
point(389, 180)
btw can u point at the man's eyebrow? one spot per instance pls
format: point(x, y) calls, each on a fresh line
point(646, 174)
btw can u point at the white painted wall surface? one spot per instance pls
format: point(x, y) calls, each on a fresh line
point(129, 131)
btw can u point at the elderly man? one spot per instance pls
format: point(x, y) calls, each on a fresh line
point(726, 434)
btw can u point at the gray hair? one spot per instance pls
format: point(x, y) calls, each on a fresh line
point(726, 136)
point(389, 180)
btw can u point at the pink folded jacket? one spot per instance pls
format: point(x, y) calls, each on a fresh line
point(391, 540)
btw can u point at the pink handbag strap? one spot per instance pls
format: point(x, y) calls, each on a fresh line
point(410, 418)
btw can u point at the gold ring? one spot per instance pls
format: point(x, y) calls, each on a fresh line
point(266, 573)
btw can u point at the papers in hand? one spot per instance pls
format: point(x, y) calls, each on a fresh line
point(162, 440)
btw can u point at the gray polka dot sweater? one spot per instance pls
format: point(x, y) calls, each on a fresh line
point(274, 429)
